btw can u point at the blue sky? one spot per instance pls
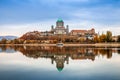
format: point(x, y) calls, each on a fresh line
point(20, 16)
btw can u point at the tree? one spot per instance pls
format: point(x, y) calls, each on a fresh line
point(102, 38)
point(81, 39)
point(108, 36)
point(96, 39)
point(3, 41)
point(118, 39)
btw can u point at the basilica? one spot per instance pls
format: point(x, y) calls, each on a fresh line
point(60, 28)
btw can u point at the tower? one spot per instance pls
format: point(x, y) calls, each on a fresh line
point(52, 28)
point(67, 29)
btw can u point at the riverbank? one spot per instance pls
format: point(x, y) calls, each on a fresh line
point(96, 45)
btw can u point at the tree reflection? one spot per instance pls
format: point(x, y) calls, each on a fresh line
point(118, 50)
point(60, 55)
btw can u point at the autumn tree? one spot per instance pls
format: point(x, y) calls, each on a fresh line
point(96, 39)
point(118, 39)
point(102, 38)
point(3, 41)
point(16, 41)
point(82, 39)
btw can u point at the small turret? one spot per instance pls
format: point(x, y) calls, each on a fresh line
point(67, 29)
point(52, 28)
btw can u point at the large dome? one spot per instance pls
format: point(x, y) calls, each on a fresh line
point(59, 20)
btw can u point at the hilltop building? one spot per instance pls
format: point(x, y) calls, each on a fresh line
point(60, 28)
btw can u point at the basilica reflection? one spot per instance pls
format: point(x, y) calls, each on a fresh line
point(61, 55)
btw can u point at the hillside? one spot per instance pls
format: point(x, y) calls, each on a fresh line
point(35, 35)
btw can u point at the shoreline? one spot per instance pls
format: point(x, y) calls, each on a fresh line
point(94, 45)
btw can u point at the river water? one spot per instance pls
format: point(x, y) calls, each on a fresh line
point(59, 63)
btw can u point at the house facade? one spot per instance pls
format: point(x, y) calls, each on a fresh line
point(84, 33)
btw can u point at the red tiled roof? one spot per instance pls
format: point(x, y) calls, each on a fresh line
point(80, 31)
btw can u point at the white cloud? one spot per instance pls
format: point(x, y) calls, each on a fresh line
point(20, 29)
point(40, 16)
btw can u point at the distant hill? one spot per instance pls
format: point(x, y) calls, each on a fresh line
point(8, 37)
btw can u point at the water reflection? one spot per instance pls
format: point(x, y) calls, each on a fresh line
point(61, 55)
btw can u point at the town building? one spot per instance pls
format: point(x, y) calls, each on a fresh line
point(114, 38)
point(47, 33)
point(83, 33)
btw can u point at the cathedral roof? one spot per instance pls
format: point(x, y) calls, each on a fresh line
point(59, 20)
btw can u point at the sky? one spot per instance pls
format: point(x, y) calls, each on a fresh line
point(20, 16)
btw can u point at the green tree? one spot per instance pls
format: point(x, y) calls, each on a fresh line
point(108, 36)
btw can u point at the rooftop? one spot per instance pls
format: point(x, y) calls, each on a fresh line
point(82, 31)
point(59, 20)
